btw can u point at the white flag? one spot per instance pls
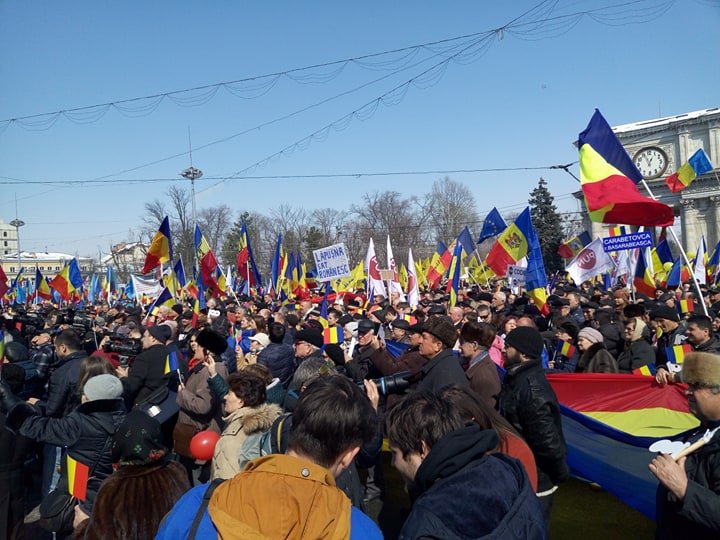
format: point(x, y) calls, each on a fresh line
point(699, 270)
point(395, 282)
point(147, 286)
point(590, 262)
point(413, 292)
point(372, 269)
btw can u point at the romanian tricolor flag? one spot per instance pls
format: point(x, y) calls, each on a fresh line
point(566, 349)
point(42, 289)
point(78, 475)
point(439, 264)
point(643, 280)
point(332, 334)
point(165, 298)
point(67, 281)
point(686, 306)
point(454, 275)
point(511, 245)
point(676, 353)
point(647, 370)
point(171, 362)
point(608, 178)
point(617, 231)
point(247, 270)
point(4, 288)
point(535, 276)
point(160, 250)
point(697, 165)
point(574, 245)
point(206, 259)
point(610, 420)
point(195, 313)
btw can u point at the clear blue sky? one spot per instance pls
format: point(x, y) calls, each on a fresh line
point(521, 104)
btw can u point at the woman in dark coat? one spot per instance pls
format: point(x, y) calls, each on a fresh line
point(595, 357)
point(85, 433)
point(638, 352)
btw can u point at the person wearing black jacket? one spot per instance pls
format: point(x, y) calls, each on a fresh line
point(278, 357)
point(465, 489)
point(688, 497)
point(147, 372)
point(64, 373)
point(529, 403)
point(85, 432)
point(673, 333)
point(443, 367)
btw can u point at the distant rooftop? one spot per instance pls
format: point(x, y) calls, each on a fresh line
point(41, 256)
point(666, 121)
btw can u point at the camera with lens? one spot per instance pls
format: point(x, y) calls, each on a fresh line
point(396, 383)
point(82, 321)
point(125, 347)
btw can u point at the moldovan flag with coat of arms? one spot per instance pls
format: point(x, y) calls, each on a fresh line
point(512, 245)
point(608, 178)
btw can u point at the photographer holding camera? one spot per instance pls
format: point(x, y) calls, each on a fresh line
point(147, 372)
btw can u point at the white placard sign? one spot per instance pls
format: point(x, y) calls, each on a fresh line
point(516, 275)
point(331, 263)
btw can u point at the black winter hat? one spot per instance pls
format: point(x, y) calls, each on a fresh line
point(160, 332)
point(527, 340)
point(313, 337)
point(212, 341)
point(442, 329)
point(16, 352)
point(138, 440)
point(664, 312)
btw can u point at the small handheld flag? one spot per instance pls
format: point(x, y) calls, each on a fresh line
point(566, 349)
point(171, 363)
point(648, 370)
point(676, 353)
point(332, 334)
point(686, 306)
point(78, 474)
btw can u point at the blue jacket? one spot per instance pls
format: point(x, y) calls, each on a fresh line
point(279, 358)
point(177, 523)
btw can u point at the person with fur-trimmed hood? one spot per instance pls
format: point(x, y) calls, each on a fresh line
point(247, 412)
point(199, 410)
point(688, 498)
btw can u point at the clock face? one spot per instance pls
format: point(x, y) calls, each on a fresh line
point(652, 162)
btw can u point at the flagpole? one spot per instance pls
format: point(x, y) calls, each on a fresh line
point(482, 266)
point(682, 251)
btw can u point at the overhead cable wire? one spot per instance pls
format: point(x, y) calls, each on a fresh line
point(623, 13)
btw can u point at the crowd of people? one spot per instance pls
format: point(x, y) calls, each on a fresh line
point(102, 411)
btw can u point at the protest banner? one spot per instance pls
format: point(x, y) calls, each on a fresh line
point(331, 262)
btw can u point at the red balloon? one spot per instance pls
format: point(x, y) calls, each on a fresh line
point(202, 445)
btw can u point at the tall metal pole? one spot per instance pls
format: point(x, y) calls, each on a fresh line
point(17, 223)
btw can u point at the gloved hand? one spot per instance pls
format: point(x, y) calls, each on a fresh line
point(7, 399)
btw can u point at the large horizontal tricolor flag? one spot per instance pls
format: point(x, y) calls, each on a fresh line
point(610, 420)
point(511, 245)
point(160, 250)
point(78, 474)
point(608, 178)
point(697, 165)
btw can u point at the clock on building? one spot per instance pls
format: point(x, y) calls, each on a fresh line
point(651, 161)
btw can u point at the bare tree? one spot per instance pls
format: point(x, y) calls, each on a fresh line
point(450, 206)
point(215, 223)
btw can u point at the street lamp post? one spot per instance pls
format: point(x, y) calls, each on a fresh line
point(17, 223)
point(192, 174)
